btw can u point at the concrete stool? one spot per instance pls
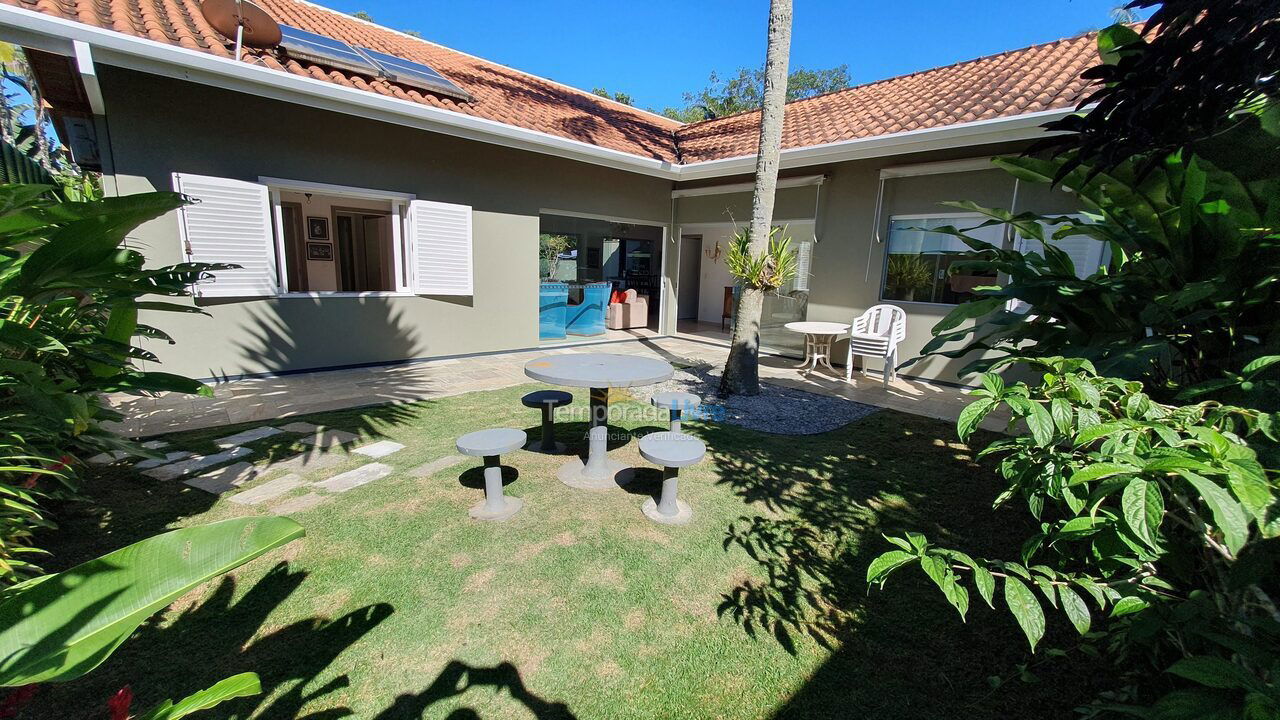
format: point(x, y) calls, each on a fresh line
point(490, 444)
point(672, 451)
point(676, 403)
point(548, 400)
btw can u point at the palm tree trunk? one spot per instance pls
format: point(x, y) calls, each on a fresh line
point(742, 369)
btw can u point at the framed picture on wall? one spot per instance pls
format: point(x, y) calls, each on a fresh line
point(319, 250)
point(318, 228)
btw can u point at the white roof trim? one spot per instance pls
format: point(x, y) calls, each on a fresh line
point(35, 29)
point(747, 187)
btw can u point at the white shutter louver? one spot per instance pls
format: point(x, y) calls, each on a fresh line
point(804, 264)
point(231, 223)
point(441, 239)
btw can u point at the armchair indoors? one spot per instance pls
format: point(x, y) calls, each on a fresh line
point(630, 310)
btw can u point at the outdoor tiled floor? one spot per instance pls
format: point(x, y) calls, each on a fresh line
point(275, 397)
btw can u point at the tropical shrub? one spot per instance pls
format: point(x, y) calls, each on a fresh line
point(1178, 86)
point(767, 271)
point(58, 627)
point(1189, 296)
point(1158, 535)
point(70, 295)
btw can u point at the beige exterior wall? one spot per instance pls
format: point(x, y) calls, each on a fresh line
point(159, 125)
point(847, 261)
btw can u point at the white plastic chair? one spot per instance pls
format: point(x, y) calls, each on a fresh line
point(876, 333)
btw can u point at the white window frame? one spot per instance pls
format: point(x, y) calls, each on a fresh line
point(399, 209)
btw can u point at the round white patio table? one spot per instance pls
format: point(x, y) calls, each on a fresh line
point(818, 337)
point(598, 371)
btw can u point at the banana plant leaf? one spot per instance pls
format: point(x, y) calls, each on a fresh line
point(242, 685)
point(67, 624)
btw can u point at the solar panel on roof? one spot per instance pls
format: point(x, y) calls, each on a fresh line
point(309, 46)
point(408, 72)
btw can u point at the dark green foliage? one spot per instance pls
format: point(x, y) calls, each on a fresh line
point(69, 301)
point(1179, 84)
point(1157, 526)
point(1190, 296)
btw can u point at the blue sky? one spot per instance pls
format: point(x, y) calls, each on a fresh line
point(657, 49)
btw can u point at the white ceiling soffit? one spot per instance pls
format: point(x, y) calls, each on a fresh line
point(46, 32)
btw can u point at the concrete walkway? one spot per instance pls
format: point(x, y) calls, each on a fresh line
point(276, 397)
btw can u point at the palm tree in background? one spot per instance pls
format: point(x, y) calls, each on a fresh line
point(742, 369)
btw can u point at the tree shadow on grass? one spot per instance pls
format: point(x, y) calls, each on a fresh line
point(822, 503)
point(458, 677)
point(221, 637)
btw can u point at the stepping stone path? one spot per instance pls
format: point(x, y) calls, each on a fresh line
point(362, 475)
point(176, 470)
point(298, 504)
point(269, 490)
point(382, 448)
point(435, 466)
point(224, 479)
point(247, 436)
point(168, 458)
point(329, 438)
point(300, 427)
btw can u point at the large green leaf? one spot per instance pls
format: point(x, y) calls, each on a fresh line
point(65, 626)
point(880, 568)
point(971, 417)
point(1026, 609)
point(1143, 508)
point(1073, 605)
point(242, 685)
point(1228, 515)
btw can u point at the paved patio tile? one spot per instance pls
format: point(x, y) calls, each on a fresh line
point(435, 466)
point(199, 462)
point(329, 438)
point(300, 427)
point(382, 448)
point(247, 436)
point(298, 504)
point(224, 479)
point(269, 490)
point(362, 475)
point(168, 458)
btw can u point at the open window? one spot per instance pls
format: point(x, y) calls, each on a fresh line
point(291, 237)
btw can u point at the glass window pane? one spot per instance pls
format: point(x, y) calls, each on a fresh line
point(919, 262)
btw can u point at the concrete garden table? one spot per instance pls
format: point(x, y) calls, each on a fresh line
point(818, 337)
point(598, 371)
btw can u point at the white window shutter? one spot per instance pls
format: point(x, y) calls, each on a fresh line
point(804, 264)
point(231, 223)
point(440, 234)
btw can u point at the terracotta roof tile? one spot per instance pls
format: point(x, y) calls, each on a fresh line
point(498, 93)
point(1033, 79)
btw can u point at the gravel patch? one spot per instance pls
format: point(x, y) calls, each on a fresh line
point(778, 410)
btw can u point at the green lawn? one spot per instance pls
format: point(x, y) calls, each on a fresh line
point(397, 605)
